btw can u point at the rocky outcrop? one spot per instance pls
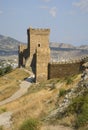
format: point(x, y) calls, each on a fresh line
point(78, 90)
point(85, 72)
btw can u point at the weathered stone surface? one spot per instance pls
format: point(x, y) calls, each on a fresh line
point(85, 72)
point(42, 57)
point(63, 70)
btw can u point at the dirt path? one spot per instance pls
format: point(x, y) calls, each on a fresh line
point(5, 118)
point(23, 89)
point(56, 127)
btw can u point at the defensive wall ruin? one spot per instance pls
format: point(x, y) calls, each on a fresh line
point(36, 55)
point(66, 69)
point(58, 70)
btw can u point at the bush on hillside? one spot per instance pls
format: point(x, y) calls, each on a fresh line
point(1, 72)
point(79, 106)
point(5, 70)
point(62, 92)
point(8, 69)
point(69, 80)
point(1, 127)
point(30, 124)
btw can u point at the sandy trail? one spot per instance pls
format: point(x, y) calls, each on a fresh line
point(56, 127)
point(5, 118)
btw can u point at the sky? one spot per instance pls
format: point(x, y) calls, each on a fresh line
point(67, 19)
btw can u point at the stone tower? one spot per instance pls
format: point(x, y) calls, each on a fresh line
point(36, 38)
point(42, 55)
point(37, 53)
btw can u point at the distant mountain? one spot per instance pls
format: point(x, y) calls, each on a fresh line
point(61, 45)
point(66, 45)
point(8, 45)
point(85, 47)
point(62, 51)
point(59, 51)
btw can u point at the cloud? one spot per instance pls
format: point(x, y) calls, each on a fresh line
point(82, 5)
point(53, 11)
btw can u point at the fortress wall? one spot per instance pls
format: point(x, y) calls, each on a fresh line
point(21, 49)
point(56, 70)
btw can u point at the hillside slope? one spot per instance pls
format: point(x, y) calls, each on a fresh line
point(44, 100)
point(38, 102)
point(8, 45)
point(62, 51)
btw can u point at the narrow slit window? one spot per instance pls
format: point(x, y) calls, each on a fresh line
point(38, 45)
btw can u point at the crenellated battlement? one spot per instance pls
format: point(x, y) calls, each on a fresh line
point(38, 31)
point(81, 59)
point(66, 68)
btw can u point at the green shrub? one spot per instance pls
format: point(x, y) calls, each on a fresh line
point(2, 71)
point(3, 110)
point(30, 124)
point(8, 69)
point(69, 80)
point(1, 127)
point(62, 92)
point(5, 70)
point(79, 106)
point(82, 119)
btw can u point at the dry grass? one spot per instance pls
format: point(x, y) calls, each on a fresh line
point(10, 82)
point(37, 103)
point(68, 120)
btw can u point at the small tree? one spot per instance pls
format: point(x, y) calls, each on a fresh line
point(2, 71)
point(8, 69)
point(5, 70)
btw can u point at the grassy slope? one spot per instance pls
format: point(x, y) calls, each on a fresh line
point(39, 101)
point(9, 83)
